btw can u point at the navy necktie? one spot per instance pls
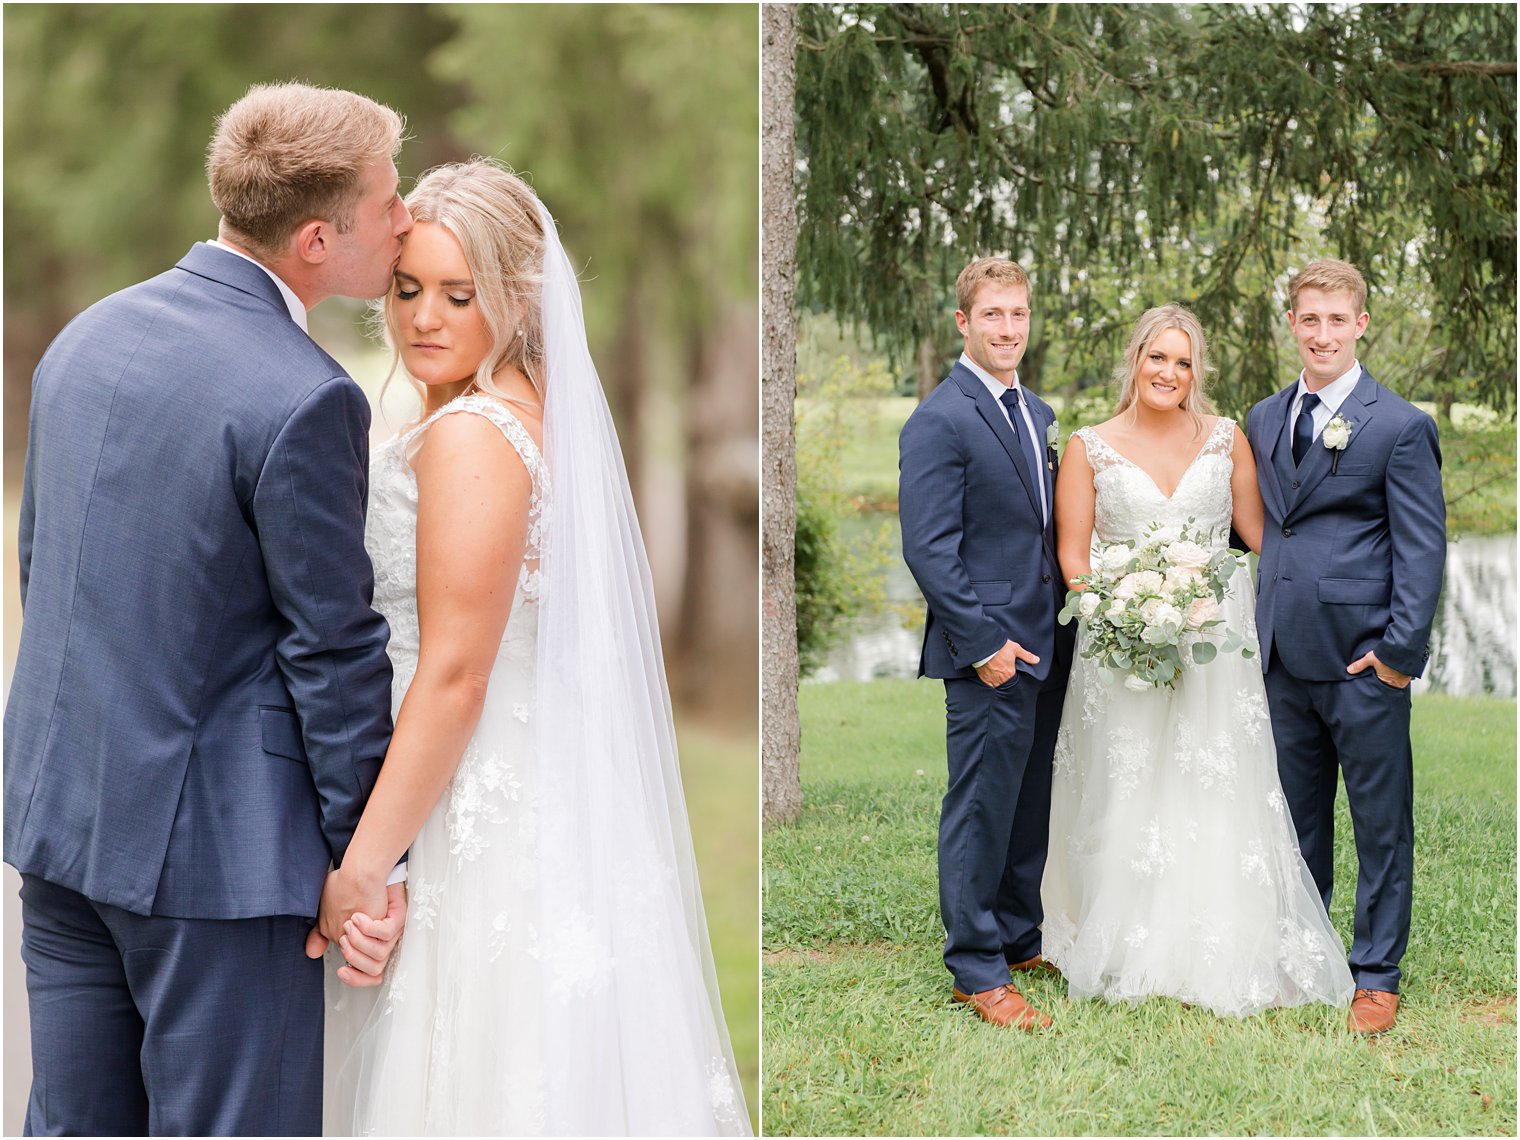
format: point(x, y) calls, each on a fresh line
point(1010, 400)
point(1303, 428)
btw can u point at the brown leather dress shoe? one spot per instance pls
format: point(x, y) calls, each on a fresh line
point(1372, 1012)
point(1035, 963)
point(1004, 1006)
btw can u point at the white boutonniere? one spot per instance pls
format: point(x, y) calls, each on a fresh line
point(1052, 434)
point(1336, 436)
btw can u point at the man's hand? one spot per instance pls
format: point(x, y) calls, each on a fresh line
point(366, 943)
point(1001, 666)
point(1385, 673)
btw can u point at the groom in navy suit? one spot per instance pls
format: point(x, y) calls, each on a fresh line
point(201, 698)
point(977, 463)
point(1351, 563)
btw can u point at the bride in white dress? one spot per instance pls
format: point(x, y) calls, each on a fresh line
point(554, 976)
point(1173, 866)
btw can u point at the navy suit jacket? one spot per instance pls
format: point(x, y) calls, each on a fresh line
point(973, 534)
point(202, 697)
point(1350, 561)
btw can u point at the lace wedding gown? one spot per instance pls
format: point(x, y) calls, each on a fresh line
point(1173, 866)
point(505, 1010)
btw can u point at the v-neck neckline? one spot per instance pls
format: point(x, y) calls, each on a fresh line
point(1197, 455)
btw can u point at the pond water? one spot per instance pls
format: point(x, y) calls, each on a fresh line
point(1472, 646)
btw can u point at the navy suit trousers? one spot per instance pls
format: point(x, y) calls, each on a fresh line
point(995, 824)
point(1360, 726)
point(147, 1025)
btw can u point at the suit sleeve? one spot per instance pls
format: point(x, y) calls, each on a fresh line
point(1417, 531)
point(309, 510)
point(931, 496)
point(26, 527)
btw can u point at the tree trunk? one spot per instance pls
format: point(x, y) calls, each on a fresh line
point(780, 733)
point(930, 368)
point(717, 644)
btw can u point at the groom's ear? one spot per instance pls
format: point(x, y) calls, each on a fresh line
point(312, 241)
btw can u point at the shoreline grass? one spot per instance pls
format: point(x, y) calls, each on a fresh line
point(860, 1037)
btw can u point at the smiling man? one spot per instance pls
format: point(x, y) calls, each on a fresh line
point(976, 478)
point(1351, 564)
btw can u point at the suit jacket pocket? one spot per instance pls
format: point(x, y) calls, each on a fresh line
point(281, 733)
point(1355, 591)
point(993, 593)
point(1344, 470)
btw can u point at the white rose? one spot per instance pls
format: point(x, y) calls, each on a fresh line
point(1140, 582)
point(1148, 609)
point(1337, 434)
point(1166, 535)
point(1136, 684)
point(1115, 558)
point(1181, 577)
point(1088, 604)
point(1202, 610)
point(1163, 625)
point(1116, 612)
point(1187, 555)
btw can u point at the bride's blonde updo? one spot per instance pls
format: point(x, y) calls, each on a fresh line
point(494, 216)
point(1152, 324)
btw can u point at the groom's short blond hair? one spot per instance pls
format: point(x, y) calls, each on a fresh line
point(1329, 275)
point(997, 270)
point(286, 153)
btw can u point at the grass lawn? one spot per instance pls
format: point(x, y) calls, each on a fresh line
point(1478, 472)
point(861, 1037)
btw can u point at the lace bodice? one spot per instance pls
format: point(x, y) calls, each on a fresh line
point(390, 535)
point(1128, 502)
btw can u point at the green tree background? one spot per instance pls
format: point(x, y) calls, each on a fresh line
point(1131, 155)
point(636, 123)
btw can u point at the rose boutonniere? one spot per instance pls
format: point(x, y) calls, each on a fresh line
point(1052, 434)
point(1336, 436)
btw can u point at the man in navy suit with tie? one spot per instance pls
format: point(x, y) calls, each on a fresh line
point(977, 464)
point(1350, 574)
point(201, 698)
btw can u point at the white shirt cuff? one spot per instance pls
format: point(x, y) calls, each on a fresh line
point(398, 874)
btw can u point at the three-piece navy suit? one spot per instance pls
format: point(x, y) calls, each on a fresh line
point(1351, 561)
point(200, 704)
point(984, 556)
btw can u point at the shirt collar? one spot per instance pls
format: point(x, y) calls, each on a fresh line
point(992, 383)
point(292, 302)
point(1333, 394)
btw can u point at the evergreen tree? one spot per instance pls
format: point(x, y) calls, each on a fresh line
point(1132, 155)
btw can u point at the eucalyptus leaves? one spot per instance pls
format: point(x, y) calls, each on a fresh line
point(1147, 605)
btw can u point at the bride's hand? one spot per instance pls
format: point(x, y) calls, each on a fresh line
point(367, 943)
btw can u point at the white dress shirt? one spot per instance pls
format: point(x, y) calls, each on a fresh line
point(1331, 397)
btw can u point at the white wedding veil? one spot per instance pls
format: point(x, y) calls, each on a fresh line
point(633, 1009)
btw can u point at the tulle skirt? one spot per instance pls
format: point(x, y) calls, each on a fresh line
point(1173, 866)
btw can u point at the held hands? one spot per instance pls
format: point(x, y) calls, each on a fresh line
point(1000, 667)
point(1385, 673)
point(366, 943)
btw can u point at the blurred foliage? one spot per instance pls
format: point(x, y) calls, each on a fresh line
point(109, 109)
point(840, 568)
point(1131, 155)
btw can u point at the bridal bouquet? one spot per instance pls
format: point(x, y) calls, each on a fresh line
point(1147, 605)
